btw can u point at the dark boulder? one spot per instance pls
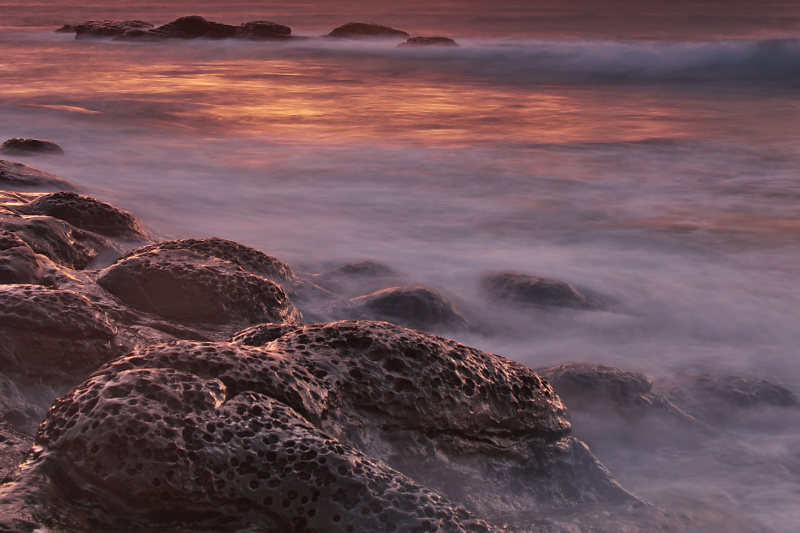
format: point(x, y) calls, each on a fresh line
point(416, 307)
point(355, 279)
point(16, 176)
point(249, 259)
point(190, 288)
point(198, 447)
point(87, 213)
point(109, 28)
point(429, 41)
point(66, 28)
point(726, 399)
point(19, 146)
point(262, 30)
point(19, 263)
point(195, 27)
point(361, 29)
point(532, 290)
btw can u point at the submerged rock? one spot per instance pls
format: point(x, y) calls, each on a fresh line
point(416, 307)
point(16, 176)
point(429, 41)
point(87, 213)
point(19, 146)
point(190, 288)
point(531, 290)
point(355, 279)
point(361, 29)
point(109, 28)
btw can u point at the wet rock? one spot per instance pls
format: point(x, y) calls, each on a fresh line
point(87, 213)
point(66, 28)
point(416, 307)
point(262, 30)
point(531, 290)
point(190, 288)
point(18, 262)
point(16, 176)
point(355, 279)
point(195, 27)
point(58, 240)
point(361, 29)
point(249, 259)
point(13, 447)
point(429, 41)
point(725, 399)
point(52, 335)
point(19, 146)
point(262, 334)
point(109, 28)
point(196, 446)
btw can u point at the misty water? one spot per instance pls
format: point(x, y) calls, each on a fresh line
point(661, 173)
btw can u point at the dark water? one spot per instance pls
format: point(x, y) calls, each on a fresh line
point(647, 151)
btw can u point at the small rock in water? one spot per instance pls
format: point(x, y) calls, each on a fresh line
point(195, 27)
point(19, 146)
point(16, 176)
point(429, 41)
point(108, 28)
point(532, 290)
point(361, 29)
point(262, 30)
point(87, 213)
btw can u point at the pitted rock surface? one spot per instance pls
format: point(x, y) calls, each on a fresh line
point(247, 258)
point(262, 334)
point(153, 445)
point(725, 398)
point(16, 176)
point(362, 29)
point(52, 335)
point(19, 146)
point(415, 307)
point(190, 288)
point(531, 290)
point(87, 213)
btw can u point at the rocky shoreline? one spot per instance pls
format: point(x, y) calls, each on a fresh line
point(202, 385)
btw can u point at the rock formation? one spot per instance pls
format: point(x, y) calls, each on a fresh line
point(18, 146)
point(523, 289)
point(361, 29)
point(429, 41)
point(16, 176)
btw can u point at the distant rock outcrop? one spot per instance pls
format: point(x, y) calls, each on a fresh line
point(362, 29)
point(19, 146)
point(108, 28)
point(523, 289)
point(429, 41)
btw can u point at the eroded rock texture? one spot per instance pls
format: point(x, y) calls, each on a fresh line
point(415, 307)
point(189, 288)
point(361, 29)
point(523, 289)
point(86, 213)
point(16, 176)
point(19, 146)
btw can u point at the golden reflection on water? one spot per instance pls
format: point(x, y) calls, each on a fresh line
point(320, 99)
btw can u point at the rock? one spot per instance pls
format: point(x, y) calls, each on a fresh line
point(87, 213)
point(66, 28)
point(190, 288)
point(262, 30)
point(355, 279)
point(361, 29)
point(60, 241)
point(416, 307)
point(52, 336)
point(13, 447)
point(262, 334)
point(249, 259)
point(16, 176)
point(726, 399)
point(18, 146)
point(531, 290)
point(429, 41)
point(180, 435)
point(19, 263)
point(195, 27)
point(108, 28)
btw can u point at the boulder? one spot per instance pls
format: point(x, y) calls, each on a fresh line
point(108, 28)
point(195, 27)
point(360, 29)
point(16, 176)
point(415, 307)
point(429, 41)
point(183, 436)
point(262, 30)
point(66, 28)
point(726, 399)
point(262, 334)
point(19, 263)
point(86, 213)
point(191, 289)
point(355, 279)
point(523, 289)
point(18, 146)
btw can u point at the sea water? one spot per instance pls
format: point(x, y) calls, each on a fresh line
point(648, 152)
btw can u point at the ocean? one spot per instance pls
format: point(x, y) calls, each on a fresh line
point(645, 151)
